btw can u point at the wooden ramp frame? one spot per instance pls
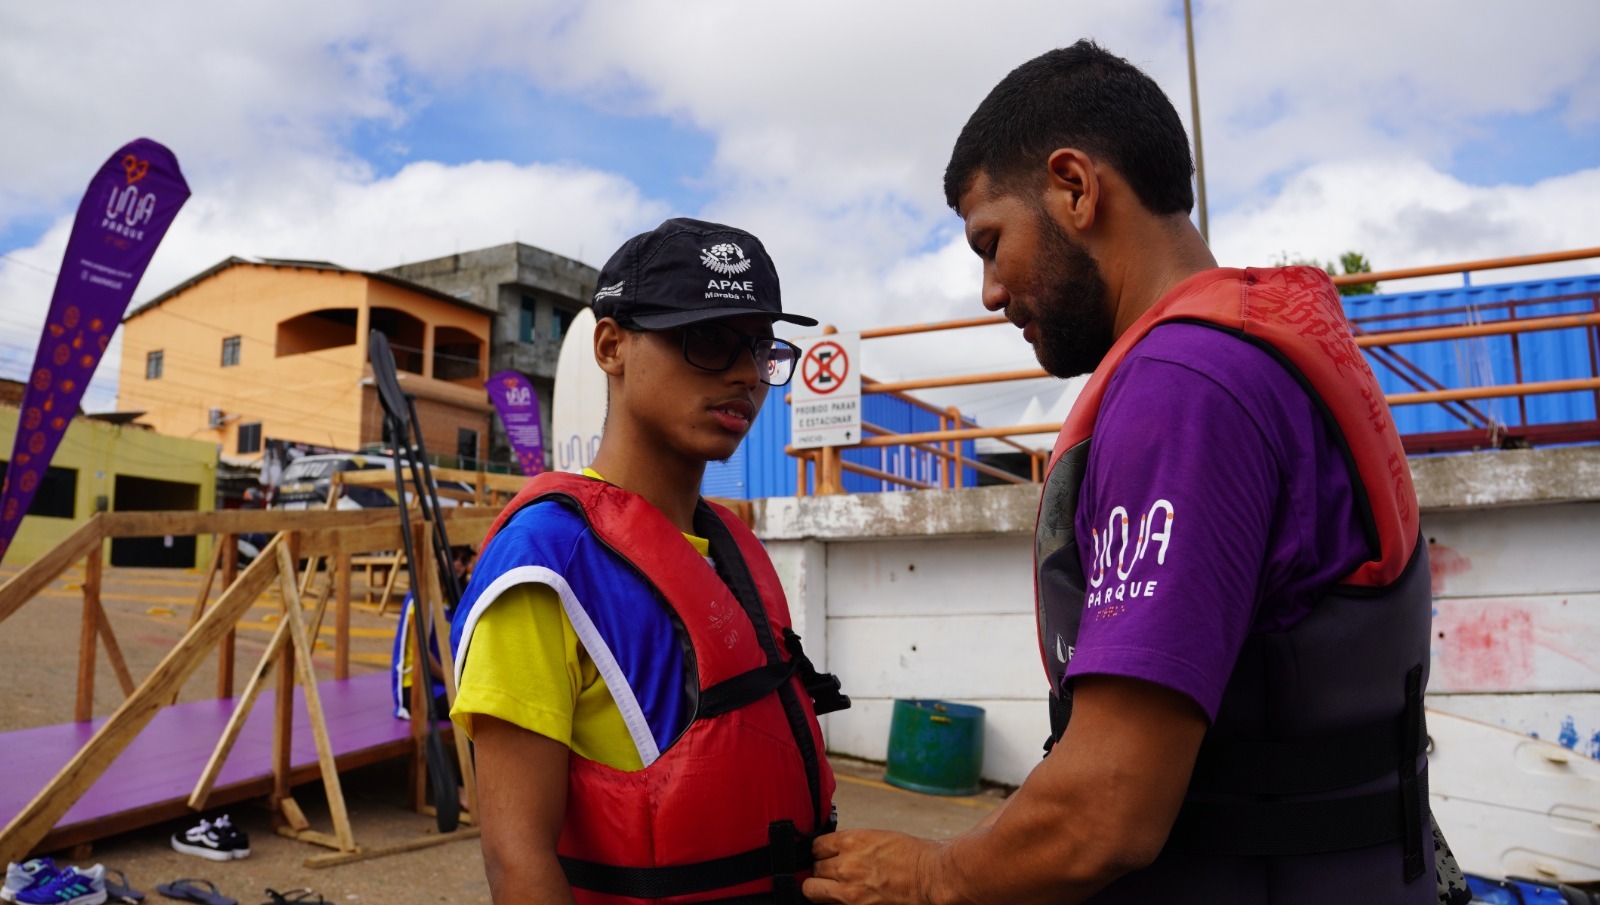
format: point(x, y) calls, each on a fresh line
point(333, 534)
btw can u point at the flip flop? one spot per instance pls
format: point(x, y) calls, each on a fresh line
point(187, 889)
point(120, 889)
point(300, 896)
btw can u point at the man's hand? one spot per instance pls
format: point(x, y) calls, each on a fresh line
point(871, 867)
point(1098, 807)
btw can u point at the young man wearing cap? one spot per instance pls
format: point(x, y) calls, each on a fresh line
point(644, 718)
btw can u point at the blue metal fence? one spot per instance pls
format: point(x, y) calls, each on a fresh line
point(1485, 361)
point(762, 469)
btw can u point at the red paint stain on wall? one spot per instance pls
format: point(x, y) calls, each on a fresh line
point(1484, 646)
point(1443, 564)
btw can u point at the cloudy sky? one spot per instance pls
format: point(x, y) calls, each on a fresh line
point(372, 133)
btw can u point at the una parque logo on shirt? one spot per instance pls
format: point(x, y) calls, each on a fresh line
point(1115, 576)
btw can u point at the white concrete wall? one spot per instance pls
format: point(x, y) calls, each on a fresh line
point(930, 594)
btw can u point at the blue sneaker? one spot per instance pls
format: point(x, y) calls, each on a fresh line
point(69, 887)
point(27, 875)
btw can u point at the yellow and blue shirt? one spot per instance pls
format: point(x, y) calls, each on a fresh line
point(558, 635)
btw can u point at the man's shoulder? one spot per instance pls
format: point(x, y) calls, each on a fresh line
point(542, 533)
point(1180, 359)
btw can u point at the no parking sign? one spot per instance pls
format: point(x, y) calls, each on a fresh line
point(825, 403)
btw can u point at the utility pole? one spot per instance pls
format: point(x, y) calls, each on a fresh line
point(1194, 105)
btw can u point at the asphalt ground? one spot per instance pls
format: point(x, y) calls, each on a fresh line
point(149, 610)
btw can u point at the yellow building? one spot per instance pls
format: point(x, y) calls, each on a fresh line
point(251, 350)
point(121, 468)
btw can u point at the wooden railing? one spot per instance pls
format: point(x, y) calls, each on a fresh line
point(308, 536)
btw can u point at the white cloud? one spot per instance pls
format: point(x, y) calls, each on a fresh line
point(424, 211)
point(1405, 213)
point(1326, 128)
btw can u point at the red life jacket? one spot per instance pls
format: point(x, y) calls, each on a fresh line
point(730, 809)
point(1317, 749)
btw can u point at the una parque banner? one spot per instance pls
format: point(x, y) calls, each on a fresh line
point(124, 214)
point(518, 406)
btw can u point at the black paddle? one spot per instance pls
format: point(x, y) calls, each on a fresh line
point(405, 437)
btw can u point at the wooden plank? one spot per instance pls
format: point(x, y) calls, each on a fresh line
point(37, 575)
point(57, 797)
point(119, 665)
point(204, 597)
point(317, 838)
point(230, 572)
point(88, 631)
point(470, 524)
point(283, 726)
point(241, 712)
point(238, 521)
point(447, 663)
point(308, 682)
point(504, 483)
point(394, 575)
point(184, 523)
point(412, 845)
point(293, 816)
point(341, 620)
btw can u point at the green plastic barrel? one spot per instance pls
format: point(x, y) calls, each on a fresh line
point(935, 747)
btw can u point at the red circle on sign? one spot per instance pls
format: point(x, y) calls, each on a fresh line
point(824, 373)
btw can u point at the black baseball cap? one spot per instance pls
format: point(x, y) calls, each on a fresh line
point(685, 271)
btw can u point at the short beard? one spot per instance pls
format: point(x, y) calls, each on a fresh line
point(1069, 311)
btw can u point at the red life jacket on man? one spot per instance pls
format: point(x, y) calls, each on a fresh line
point(1318, 744)
point(730, 808)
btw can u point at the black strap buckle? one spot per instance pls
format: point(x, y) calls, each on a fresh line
point(824, 688)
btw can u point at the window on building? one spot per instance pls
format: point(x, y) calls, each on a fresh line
point(230, 351)
point(560, 322)
point(249, 438)
point(152, 365)
point(467, 447)
point(525, 331)
point(57, 496)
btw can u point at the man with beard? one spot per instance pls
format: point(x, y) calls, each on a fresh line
point(1236, 699)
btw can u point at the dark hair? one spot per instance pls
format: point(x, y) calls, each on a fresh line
point(1077, 97)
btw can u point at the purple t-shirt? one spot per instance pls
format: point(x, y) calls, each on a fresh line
point(1200, 422)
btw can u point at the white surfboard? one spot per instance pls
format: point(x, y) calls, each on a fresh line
point(579, 411)
point(1514, 805)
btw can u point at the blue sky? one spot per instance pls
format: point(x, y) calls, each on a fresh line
point(371, 133)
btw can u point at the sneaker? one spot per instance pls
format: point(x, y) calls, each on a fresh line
point(69, 887)
point(233, 838)
point(27, 875)
point(202, 840)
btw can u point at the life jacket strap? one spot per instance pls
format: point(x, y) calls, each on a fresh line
point(786, 854)
point(744, 689)
point(824, 688)
point(1261, 827)
point(1243, 766)
point(1267, 829)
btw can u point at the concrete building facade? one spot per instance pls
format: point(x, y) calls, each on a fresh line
point(532, 296)
point(251, 350)
point(929, 594)
point(102, 466)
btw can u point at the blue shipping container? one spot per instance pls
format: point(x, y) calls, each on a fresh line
point(1489, 360)
point(762, 469)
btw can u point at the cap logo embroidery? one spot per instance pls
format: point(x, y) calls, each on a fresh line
point(727, 259)
point(610, 292)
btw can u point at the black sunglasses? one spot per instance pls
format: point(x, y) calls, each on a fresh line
point(713, 346)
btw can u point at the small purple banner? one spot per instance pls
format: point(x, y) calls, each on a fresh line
point(518, 406)
point(124, 214)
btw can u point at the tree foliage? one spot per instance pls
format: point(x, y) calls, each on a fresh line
point(1350, 262)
